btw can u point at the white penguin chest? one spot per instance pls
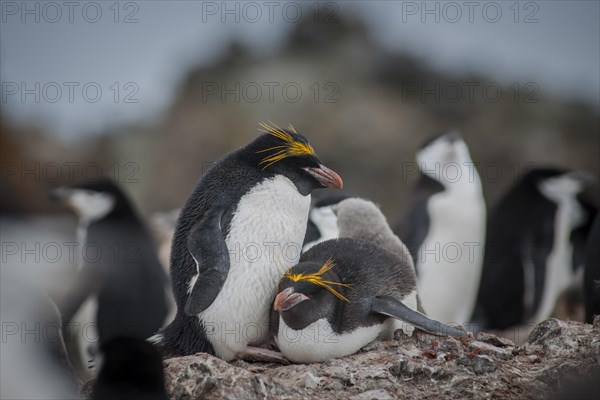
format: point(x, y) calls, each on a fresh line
point(450, 258)
point(454, 213)
point(318, 342)
point(264, 239)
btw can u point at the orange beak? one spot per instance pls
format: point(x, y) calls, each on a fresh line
point(287, 299)
point(326, 177)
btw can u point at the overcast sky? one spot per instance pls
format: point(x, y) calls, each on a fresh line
point(139, 50)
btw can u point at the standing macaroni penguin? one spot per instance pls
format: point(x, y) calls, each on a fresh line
point(247, 214)
point(444, 228)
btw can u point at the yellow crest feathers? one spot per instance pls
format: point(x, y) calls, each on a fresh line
point(289, 148)
point(317, 279)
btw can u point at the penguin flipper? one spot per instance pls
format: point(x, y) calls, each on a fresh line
point(206, 244)
point(396, 309)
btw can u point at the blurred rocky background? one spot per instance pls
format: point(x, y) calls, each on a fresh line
point(365, 108)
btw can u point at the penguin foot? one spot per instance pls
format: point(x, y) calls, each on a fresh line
point(270, 345)
point(262, 355)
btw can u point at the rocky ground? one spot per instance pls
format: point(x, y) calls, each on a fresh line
point(558, 360)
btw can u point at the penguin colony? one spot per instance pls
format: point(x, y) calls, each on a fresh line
point(259, 273)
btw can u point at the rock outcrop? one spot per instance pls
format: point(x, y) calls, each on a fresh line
point(558, 360)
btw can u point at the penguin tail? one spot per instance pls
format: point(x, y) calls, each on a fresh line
point(184, 336)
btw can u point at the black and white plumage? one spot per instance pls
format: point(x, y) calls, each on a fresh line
point(130, 369)
point(444, 228)
point(414, 224)
point(118, 269)
point(535, 242)
point(244, 221)
point(342, 295)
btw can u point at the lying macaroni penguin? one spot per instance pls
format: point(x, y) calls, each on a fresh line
point(344, 294)
point(249, 210)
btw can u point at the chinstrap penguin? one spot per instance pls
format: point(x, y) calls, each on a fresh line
point(534, 245)
point(344, 294)
point(245, 218)
point(444, 228)
point(118, 277)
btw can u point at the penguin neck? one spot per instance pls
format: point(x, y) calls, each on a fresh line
point(459, 181)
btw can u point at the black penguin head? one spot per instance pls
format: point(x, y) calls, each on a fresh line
point(444, 150)
point(308, 292)
point(93, 200)
point(129, 368)
point(288, 153)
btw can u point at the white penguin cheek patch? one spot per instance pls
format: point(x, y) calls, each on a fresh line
point(446, 161)
point(461, 153)
point(560, 188)
point(91, 205)
point(562, 191)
